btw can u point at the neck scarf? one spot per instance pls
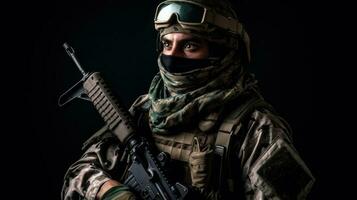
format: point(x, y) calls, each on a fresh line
point(179, 100)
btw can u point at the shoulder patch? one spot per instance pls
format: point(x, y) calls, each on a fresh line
point(281, 174)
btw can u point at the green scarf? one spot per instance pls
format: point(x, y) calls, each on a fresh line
point(179, 100)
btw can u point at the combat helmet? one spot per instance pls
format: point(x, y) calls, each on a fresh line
point(214, 20)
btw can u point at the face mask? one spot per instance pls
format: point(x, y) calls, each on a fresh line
point(175, 64)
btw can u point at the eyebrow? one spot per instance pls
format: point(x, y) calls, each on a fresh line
point(190, 39)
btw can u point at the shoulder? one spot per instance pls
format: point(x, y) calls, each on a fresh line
point(252, 121)
point(253, 112)
point(262, 118)
point(254, 125)
point(261, 129)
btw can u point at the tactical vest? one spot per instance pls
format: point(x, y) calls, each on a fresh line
point(228, 132)
point(230, 129)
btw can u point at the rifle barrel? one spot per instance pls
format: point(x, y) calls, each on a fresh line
point(70, 52)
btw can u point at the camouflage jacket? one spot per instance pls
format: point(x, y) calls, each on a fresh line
point(262, 164)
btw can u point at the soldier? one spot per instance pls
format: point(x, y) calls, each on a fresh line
point(204, 109)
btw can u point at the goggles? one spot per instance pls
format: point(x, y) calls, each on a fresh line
point(193, 15)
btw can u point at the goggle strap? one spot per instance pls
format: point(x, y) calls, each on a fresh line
point(230, 24)
point(158, 43)
point(246, 41)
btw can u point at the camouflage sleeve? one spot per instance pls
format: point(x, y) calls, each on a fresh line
point(97, 165)
point(271, 166)
point(103, 159)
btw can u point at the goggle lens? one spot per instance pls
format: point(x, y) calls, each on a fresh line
point(186, 12)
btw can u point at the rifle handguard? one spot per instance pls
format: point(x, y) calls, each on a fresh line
point(116, 118)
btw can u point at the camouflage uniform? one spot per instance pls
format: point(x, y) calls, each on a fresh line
point(223, 138)
point(263, 161)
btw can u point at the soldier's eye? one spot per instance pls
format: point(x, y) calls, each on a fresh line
point(191, 46)
point(165, 44)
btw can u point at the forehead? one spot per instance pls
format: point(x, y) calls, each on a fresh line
point(180, 36)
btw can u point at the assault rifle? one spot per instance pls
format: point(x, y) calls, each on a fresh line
point(147, 176)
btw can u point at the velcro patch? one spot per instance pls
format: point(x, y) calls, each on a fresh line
point(281, 174)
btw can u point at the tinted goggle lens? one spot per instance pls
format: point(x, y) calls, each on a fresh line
point(186, 12)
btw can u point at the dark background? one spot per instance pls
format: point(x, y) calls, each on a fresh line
point(117, 38)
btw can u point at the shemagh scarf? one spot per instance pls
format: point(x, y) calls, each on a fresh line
point(179, 100)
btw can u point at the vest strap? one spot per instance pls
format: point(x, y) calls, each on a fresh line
point(228, 129)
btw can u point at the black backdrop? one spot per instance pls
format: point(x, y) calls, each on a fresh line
point(117, 38)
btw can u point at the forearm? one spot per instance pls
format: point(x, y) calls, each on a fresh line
point(105, 187)
point(84, 178)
